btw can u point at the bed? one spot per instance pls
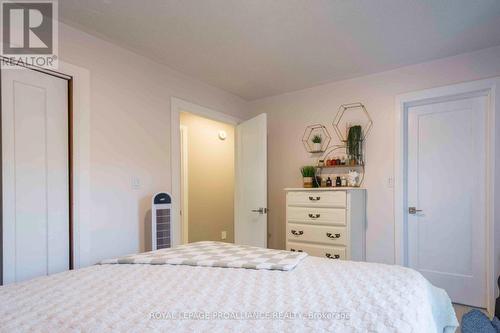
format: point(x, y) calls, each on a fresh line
point(315, 295)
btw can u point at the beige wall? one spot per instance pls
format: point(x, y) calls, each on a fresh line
point(288, 114)
point(210, 177)
point(129, 137)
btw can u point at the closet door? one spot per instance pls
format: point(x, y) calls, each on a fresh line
point(35, 174)
point(447, 221)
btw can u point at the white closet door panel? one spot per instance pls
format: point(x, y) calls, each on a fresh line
point(30, 174)
point(8, 182)
point(35, 175)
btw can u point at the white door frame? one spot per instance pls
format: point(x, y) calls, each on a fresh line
point(489, 88)
point(184, 185)
point(177, 106)
point(81, 163)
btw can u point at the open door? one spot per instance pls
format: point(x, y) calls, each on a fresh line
point(250, 225)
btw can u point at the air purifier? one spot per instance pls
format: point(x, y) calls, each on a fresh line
point(161, 224)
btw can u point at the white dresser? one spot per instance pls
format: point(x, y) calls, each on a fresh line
point(326, 222)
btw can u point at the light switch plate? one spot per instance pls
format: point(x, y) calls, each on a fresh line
point(390, 182)
point(136, 183)
point(223, 235)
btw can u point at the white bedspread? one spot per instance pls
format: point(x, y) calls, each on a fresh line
point(318, 295)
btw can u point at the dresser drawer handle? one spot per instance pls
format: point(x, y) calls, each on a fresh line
point(329, 256)
point(314, 216)
point(297, 233)
point(315, 198)
point(333, 236)
point(293, 250)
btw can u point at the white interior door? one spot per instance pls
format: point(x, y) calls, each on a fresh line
point(250, 225)
point(447, 182)
point(35, 174)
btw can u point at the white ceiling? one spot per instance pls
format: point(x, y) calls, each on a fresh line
point(259, 48)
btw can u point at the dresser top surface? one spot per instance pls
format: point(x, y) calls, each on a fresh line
point(320, 189)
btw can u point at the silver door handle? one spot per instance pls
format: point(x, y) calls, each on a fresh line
point(260, 210)
point(413, 210)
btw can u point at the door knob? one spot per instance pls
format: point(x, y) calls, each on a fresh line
point(413, 210)
point(260, 210)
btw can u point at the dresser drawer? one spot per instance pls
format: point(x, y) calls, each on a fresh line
point(317, 215)
point(317, 198)
point(330, 252)
point(317, 234)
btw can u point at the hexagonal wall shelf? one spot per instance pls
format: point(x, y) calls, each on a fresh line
point(351, 114)
point(313, 132)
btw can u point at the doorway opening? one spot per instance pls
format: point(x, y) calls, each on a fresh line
point(207, 179)
point(249, 192)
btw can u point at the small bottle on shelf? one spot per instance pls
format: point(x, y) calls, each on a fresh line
point(329, 182)
point(338, 182)
point(323, 182)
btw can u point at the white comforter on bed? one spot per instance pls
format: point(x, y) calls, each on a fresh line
point(318, 295)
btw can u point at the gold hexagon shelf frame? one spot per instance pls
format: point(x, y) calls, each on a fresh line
point(312, 130)
point(366, 127)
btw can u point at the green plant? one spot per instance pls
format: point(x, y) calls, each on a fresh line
point(317, 138)
point(308, 171)
point(354, 142)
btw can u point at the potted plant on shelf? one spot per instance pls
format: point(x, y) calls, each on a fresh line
point(308, 173)
point(354, 145)
point(316, 140)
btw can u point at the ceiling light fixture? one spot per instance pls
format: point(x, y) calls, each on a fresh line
point(222, 135)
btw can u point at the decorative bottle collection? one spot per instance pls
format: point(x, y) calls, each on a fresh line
point(338, 161)
point(350, 179)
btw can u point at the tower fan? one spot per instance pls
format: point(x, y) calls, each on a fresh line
point(161, 228)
